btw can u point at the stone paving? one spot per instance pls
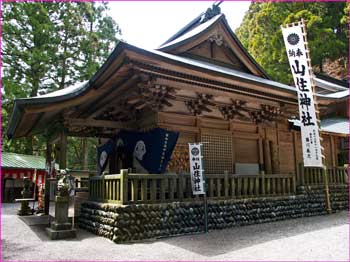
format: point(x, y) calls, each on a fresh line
point(314, 238)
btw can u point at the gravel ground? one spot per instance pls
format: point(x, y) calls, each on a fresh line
point(314, 238)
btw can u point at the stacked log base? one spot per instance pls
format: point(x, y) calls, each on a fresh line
point(339, 195)
point(135, 222)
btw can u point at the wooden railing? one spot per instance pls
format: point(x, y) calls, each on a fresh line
point(149, 188)
point(315, 176)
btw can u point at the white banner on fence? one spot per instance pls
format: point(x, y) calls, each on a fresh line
point(298, 56)
point(196, 168)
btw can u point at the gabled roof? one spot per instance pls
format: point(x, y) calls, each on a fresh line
point(206, 23)
point(191, 33)
point(71, 93)
point(33, 115)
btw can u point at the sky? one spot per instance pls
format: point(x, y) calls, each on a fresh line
point(147, 24)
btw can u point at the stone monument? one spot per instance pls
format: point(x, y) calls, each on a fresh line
point(61, 227)
point(27, 195)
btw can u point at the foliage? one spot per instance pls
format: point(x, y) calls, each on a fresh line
point(81, 153)
point(261, 34)
point(49, 46)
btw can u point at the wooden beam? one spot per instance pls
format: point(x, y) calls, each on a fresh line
point(94, 123)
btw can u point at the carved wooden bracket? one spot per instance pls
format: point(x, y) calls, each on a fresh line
point(267, 113)
point(155, 96)
point(199, 104)
point(147, 94)
point(121, 113)
point(235, 109)
point(217, 38)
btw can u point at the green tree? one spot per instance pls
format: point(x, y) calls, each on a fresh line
point(49, 46)
point(260, 33)
point(27, 52)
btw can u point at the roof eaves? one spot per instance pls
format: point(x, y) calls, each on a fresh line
point(336, 95)
point(19, 104)
point(329, 85)
point(17, 111)
point(333, 80)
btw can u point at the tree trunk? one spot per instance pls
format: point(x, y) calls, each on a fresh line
point(64, 64)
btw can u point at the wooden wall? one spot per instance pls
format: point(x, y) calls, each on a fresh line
point(275, 148)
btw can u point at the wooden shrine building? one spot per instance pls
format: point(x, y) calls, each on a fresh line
point(203, 84)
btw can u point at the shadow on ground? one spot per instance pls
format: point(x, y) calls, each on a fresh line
point(217, 243)
point(38, 224)
point(40, 231)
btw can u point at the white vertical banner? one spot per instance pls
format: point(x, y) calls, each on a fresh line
point(299, 56)
point(196, 168)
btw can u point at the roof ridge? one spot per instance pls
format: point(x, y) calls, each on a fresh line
point(200, 19)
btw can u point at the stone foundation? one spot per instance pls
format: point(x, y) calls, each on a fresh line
point(144, 221)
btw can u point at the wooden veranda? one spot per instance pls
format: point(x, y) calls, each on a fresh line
point(129, 188)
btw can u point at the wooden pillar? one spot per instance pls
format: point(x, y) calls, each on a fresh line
point(295, 149)
point(63, 151)
point(267, 157)
point(333, 151)
point(274, 157)
point(261, 156)
point(226, 184)
point(123, 186)
point(47, 182)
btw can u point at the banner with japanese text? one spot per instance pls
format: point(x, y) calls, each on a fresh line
point(298, 56)
point(196, 168)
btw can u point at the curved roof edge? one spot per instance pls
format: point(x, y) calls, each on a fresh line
point(72, 92)
point(69, 93)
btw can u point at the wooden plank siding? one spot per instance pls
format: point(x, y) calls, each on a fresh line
point(275, 148)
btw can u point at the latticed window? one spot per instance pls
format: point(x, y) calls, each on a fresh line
point(218, 152)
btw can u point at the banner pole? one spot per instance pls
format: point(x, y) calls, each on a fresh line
point(325, 171)
point(326, 184)
point(299, 59)
point(206, 213)
point(205, 192)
